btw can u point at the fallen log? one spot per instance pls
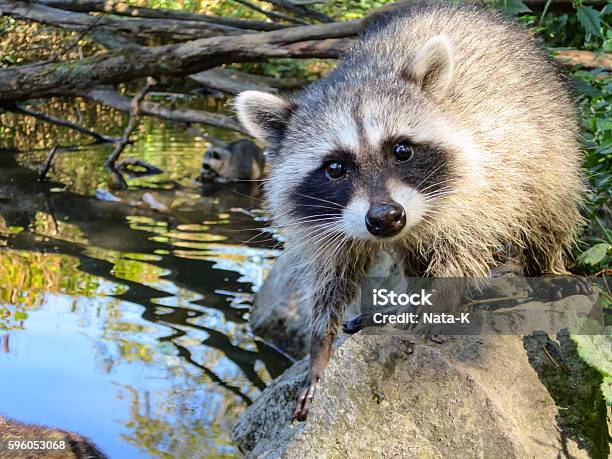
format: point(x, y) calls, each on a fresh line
point(58, 78)
point(180, 115)
point(233, 82)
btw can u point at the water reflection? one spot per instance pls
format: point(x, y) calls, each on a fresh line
point(122, 322)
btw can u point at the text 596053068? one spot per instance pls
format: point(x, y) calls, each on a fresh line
point(15, 445)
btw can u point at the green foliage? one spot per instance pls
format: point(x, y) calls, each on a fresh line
point(596, 350)
point(353, 9)
point(589, 19)
point(594, 89)
point(512, 7)
point(595, 258)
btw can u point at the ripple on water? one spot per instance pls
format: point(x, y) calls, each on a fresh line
point(133, 319)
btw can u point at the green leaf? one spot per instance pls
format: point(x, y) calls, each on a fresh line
point(589, 18)
point(586, 88)
point(21, 315)
point(594, 255)
point(596, 350)
point(512, 7)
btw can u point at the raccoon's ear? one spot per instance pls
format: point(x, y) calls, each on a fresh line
point(264, 115)
point(432, 67)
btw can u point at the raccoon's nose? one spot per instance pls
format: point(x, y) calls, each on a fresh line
point(385, 219)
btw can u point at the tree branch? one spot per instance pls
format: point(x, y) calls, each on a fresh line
point(58, 121)
point(129, 129)
point(182, 115)
point(302, 10)
point(271, 14)
point(135, 28)
point(103, 6)
point(45, 169)
point(234, 82)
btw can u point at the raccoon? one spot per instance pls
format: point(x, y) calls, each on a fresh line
point(75, 446)
point(445, 134)
point(240, 160)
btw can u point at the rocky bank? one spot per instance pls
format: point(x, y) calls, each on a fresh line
point(401, 396)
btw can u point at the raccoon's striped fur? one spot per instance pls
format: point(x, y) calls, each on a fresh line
point(455, 118)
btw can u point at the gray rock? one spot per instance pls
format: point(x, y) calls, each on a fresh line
point(278, 315)
point(394, 396)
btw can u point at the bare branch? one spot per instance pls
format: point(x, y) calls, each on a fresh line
point(181, 115)
point(128, 27)
point(58, 121)
point(200, 135)
point(119, 181)
point(103, 6)
point(271, 14)
point(302, 10)
point(234, 82)
point(132, 124)
point(45, 169)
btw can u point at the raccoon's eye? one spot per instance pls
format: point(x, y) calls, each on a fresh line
point(335, 170)
point(403, 151)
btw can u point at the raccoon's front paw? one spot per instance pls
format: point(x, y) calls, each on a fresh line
point(353, 325)
point(304, 401)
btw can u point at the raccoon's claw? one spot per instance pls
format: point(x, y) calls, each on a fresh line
point(352, 326)
point(304, 401)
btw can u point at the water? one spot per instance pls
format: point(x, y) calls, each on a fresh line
point(125, 323)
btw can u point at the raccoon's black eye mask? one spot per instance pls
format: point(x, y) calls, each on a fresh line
point(326, 191)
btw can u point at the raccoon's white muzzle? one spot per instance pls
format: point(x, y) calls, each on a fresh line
point(372, 220)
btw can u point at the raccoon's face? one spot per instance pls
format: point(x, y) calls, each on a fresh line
point(215, 160)
point(367, 155)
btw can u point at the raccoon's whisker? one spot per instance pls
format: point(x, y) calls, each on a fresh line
point(322, 217)
point(437, 184)
point(310, 217)
point(430, 198)
point(336, 240)
point(437, 194)
point(321, 239)
point(246, 195)
point(251, 180)
point(429, 175)
point(330, 242)
point(317, 234)
point(327, 207)
point(322, 200)
point(304, 222)
point(269, 239)
point(339, 247)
